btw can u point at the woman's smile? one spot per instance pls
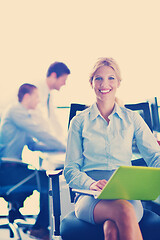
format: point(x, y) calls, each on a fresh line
point(104, 91)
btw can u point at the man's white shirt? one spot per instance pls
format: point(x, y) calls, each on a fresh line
point(51, 120)
point(51, 123)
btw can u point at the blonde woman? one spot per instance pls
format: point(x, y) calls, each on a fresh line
point(99, 141)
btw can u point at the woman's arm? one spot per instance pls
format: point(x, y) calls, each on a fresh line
point(74, 158)
point(146, 142)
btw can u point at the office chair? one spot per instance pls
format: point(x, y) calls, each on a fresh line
point(71, 228)
point(9, 190)
point(149, 111)
point(154, 108)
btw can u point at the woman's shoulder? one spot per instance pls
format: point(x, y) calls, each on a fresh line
point(79, 118)
point(128, 111)
point(82, 114)
point(129, 114)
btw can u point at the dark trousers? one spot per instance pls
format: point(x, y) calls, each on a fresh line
point(13, 173)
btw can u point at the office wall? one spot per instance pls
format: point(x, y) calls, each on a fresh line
point(36, 33)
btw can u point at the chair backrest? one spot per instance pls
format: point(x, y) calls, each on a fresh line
point(154, 107)
point(73, 110)
point(142, 108)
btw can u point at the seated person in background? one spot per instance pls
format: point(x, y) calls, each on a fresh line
point(18, 129)
point(99, 141)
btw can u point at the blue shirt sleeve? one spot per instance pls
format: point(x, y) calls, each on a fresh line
point(74, 159)
point(146, 142)
point(23, 120)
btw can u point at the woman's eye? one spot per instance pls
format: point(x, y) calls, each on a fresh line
point(111, 78)
point(98, 78)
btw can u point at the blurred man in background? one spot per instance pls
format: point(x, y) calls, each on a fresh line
point(18, 129)
point(56, 77)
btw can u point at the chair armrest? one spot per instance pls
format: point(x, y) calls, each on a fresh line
point(53, 173)
point(15, 160)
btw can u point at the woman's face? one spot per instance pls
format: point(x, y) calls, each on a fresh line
point(105, 83)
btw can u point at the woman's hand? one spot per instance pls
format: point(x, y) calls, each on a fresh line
point(99, 185)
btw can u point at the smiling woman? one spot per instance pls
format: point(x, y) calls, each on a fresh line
point(102, 137)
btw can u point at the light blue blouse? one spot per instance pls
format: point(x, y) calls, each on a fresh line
point(93, 144)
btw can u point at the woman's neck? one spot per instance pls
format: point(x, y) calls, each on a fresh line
point(105, 108)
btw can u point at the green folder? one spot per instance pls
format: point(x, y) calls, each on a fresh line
point(130, 183)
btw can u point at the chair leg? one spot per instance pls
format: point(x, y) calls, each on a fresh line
point(11, 231)
point(14, 231)
point(11, 234)
point(17, 231)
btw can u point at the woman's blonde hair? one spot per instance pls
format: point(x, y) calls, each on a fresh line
point(110, 62)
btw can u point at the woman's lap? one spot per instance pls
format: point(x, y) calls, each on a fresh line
point(85, 205)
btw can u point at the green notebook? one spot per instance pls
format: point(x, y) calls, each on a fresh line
point(130, 183)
